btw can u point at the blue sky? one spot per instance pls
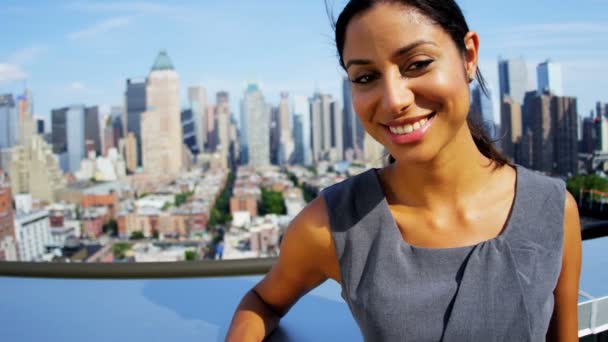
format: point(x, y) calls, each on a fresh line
point(82, 52)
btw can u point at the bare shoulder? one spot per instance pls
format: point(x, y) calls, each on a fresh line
point(309, 236)
point(306, 260)
point(572, 225)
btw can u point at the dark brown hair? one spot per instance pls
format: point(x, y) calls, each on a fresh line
point(446, 14)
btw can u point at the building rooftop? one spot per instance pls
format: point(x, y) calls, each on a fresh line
point(162, 62)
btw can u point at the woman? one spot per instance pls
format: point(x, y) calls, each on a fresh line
point(450, 242)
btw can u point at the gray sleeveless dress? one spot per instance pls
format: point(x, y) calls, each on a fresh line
point(498, 290)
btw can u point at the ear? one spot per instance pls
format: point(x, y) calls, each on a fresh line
point(471, 56)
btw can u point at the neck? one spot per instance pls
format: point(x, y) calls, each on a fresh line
point(454, 176)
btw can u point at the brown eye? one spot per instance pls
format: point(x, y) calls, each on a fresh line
point(364, 79)
point(420, 65)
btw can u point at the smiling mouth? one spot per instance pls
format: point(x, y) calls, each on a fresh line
point(410, 127)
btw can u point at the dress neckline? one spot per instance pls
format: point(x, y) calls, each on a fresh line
point(506, 228)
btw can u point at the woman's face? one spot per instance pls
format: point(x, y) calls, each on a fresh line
point(409, 81)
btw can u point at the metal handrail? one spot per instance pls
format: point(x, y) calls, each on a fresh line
point(187, 269)
point(144, 270)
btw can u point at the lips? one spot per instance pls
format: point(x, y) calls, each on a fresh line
point(408, 121)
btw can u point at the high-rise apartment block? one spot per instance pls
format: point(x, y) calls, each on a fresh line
point(255, 126)
point(549, 78)
point(135, 105)
point(162, 139)
point(68, 136)
point(9, 122)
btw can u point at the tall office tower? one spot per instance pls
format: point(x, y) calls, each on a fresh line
point(68, 136)
point(189, 131)
point(601, 133)
point(9, 122)
point(211, 129)
point(588, 142)
point(511, 126)
point(223, 133)
point(302, 131)
point(40, 126)
point(91, 124)
point(373, 152)
point(549, 78)
point(564, 117)
point(286, 143)
point(275, 130)
point(135, 105)
point(481, 110)
point(255, 128)
point(513, 79)
point(197, 98)
point(225, 139)
point(8, 239)
point(34, 169)
point(537, 114)
point(320, 108)
point(337, 132)
point(234, 150)
point(601, 109)
point(353, 130)
point(25, 105)
point(128, 147)
point(162, 139)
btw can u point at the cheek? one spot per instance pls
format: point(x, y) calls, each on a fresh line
point(363, 103)
point(448, 93)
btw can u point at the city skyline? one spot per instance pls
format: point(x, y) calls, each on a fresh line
point(87, 58)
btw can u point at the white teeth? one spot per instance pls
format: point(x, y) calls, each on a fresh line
point(405, 129)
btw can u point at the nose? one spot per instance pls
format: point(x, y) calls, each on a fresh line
point(398, 95)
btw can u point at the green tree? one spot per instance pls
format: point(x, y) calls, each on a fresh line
point(110, 227)
point(182, 198)
point(119, 250)
point(137, 235)
point(272, 203)
point(191, 255)
point(587, 182)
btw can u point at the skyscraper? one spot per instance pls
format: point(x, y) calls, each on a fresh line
point(564, 121)
point(337, 132)
point(162, 139)
point(537, 114)
point(197, 98)
point(549, 78)
point(34, 169)
point(91, 124)
point(302, 131)
point(589, 136)
point(353, 130)
point(513, 79)
point(222, 111)
point(189, 131)
point(275, 131)
point(255, 128)
point(68, 136)
point(320, 108)
point(9, 122)
point(286, 143)
point(481, 110)
point(511, 126)
point(135, 105)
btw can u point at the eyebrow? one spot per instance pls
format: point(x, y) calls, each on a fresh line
point(400, 52)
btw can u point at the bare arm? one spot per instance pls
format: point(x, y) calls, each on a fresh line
point(564, 323)
point(306, 260)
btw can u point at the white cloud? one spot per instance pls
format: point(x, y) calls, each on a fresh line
point(133, 8)
point(26, 55)
point(11, 72)
point(100, 28)
point(77, 85)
